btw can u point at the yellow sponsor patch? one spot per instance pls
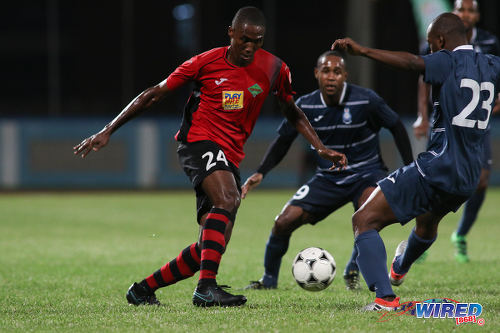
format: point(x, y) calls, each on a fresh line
point(232, 100)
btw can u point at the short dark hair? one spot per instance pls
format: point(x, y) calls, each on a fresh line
point(330, 53)
point(249, 15)
point(448, 24)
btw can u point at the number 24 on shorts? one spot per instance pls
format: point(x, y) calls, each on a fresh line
point(210, 156)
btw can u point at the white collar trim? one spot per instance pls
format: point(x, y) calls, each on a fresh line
point(463, 47)
point(342, 95)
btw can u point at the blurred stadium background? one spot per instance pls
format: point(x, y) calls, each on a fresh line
point(68, 67)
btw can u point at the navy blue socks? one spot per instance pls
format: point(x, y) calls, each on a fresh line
point(372, 262)
point(276, 248)
point(471, 209)
point(351, 264)
point(416, 246)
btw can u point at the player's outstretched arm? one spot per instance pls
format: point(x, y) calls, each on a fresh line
point(144, 100)
point(403, 60)
point(299, 120)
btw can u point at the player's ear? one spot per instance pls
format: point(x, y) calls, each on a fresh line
point(316, 72)
point(230, 31)
point(442, 42)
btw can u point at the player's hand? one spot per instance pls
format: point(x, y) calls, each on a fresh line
point(339, 160)
point(348, 45)
point(421, 128)
point(95, 142)
point(251, 182)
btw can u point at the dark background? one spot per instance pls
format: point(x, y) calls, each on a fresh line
point(109, 51)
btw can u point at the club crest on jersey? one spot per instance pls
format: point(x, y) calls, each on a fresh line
point(347, 117)
point(232, 100)
point(255, 90)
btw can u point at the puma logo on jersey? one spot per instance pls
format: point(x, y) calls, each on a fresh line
point(222, 79)
point(318, 118)
point(392, 179)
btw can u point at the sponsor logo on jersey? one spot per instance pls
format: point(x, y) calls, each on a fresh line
point(222, 79)
point(255, 90)
point(347, 117)
point(318, 118)
point(232, 100)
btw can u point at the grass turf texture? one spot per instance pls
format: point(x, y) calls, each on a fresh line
point(66, 261)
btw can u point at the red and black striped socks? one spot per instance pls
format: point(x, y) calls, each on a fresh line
point(185, 265)
point(213, 244)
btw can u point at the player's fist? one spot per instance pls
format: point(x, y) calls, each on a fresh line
point(95, 142)
point(252, 182)
point(348, 45)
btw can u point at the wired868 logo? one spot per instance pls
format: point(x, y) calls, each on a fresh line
point(442, 308)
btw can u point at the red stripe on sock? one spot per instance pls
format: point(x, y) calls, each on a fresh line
point(209, 254)
point(166, 274)
point(213, 235)
point(183, 267)
point(220, 217)
point(206, 274)
point(194, 253)
point(151, 281)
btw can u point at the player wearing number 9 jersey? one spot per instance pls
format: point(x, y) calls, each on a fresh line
point(233, 82)
point(464, 84)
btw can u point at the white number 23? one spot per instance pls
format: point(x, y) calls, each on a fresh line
point(461, 118)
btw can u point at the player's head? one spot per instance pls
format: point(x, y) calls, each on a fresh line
point(446, 32)
point(468, 11)
point(247, 34)
point(331, 73)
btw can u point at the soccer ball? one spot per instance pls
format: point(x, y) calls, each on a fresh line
point(314, 269)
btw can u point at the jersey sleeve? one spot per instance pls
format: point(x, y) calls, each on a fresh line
point(186, 72)
point(380, 113)
point(283, 84)
point(437, 67)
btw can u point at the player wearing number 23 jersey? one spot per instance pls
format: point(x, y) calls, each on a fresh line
point(464, 85)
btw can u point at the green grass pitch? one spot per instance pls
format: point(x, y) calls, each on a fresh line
point(67, 259)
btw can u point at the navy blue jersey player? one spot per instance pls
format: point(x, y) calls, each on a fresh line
point(483, 42)
point(347, 117)
point(464, 84)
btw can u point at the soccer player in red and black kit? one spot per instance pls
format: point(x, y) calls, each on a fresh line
point(219, 117)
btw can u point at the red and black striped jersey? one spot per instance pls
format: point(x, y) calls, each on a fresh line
point(228, 102)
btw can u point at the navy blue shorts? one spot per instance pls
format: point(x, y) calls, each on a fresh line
point(410, 195)
point(321, 196)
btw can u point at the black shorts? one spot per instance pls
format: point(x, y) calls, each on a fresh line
point(198, 160)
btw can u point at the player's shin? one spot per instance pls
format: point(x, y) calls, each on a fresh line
point(183, 266)
point(213, 244)
point(372, 261)
point(276, 247)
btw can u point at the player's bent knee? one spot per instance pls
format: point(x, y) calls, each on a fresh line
point(282, 226)
point(230, 202)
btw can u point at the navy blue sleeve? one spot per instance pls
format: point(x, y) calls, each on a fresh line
point(381, 115)
point(437, 67)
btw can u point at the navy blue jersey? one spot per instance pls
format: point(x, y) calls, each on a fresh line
point(482, 41)
point(464, 85)
point(351, 128)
